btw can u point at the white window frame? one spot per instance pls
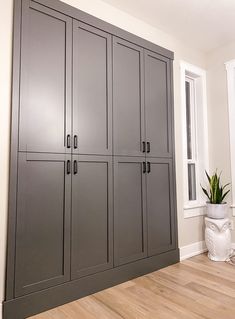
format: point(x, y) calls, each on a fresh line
point(193, 119)
point(230, 67)
point(197, 75)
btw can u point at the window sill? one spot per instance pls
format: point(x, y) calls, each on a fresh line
point(194, 211)
point(232, 207)
point(198, 205)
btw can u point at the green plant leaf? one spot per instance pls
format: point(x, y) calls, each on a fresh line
point(208, 177)
point(225, 194)
point(217, 192)
point(205, 192)
point(225, 186)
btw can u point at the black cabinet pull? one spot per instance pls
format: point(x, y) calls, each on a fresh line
point(68, 141)
point(148, 147)
point(149, 167)
point(75, 141)
point(144, 167)
point(75, 167)
point(68, 167)
point(144, 147)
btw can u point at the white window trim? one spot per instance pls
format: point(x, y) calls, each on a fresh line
point(194, 208)
point(230, 67)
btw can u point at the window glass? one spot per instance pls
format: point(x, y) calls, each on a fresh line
point(192, 191)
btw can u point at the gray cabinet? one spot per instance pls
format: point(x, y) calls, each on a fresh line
point(158, 112)
point(130, 242)
point(45, 79)
point(92, 199)
point(160, 206)
point(43, 222)
point(92, 95)
point(92, 215)
point(141, 101)
point(128, 98)
point(144, 218)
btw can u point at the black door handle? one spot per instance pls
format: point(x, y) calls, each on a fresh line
point(149, 167)
point(75, 141)
point(148, 147)
point(144, 167)
point(144, 147)
point(68, 167)
point(75, 167)
point(68, 141)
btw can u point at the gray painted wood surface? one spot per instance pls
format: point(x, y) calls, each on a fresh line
point(66, 75)
point(92, 90)
point(130, 241)
point(158, 105)
point(43, 222)
point(46, 66)
point(128, 102)
point(92, 215)
point(160, 210)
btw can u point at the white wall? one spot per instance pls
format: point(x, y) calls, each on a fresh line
point(190, 230)
point(219, 148)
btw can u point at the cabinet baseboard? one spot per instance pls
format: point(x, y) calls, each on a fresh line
point(43, 300)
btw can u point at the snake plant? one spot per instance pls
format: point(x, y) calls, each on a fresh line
point(217, 192)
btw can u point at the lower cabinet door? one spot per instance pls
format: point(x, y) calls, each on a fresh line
point(130, 242)
point(160, 206)
point(43, 222)
point(92, 222)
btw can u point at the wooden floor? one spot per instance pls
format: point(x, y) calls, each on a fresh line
point(195, 288)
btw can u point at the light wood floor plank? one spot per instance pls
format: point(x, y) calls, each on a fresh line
point(196, 288)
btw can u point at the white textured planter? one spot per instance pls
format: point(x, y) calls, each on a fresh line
point(218, 238)
point(217, 211)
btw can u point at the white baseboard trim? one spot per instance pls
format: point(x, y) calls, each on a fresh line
point(192, 250)
point(1, 310)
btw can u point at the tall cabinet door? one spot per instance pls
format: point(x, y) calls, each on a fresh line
point(128, 99)
point(45, 89)
point(158, 105)
point(92, 222)
point(92, 95)
point(43, 222)
point(160, 206)
point(130, 242)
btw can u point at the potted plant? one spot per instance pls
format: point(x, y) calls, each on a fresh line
point(216, 207)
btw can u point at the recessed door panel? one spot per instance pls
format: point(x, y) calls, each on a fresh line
point(45, 94)
point(91, 215)
point(129, 210)
point(43, 221)
point(160, 209)
point(128, 98)
point(92, 111)
point(158, 105)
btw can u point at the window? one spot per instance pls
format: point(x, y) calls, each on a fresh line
point(191, 135)
point(194, 133)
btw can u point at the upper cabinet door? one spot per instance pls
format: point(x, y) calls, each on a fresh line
point(128, 98)
point(45, 88)
point(92, 96)
point(158, 105)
